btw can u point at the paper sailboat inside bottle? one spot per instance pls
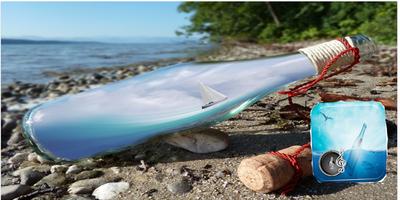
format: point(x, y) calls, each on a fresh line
point(168, 100)
point(210, 96)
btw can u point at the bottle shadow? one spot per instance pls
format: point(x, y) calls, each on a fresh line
point(241, 145)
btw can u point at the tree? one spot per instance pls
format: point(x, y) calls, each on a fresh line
point(290, 21)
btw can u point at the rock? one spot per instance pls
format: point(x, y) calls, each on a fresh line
point(199, 141)
point(87, 164)
point(15, 138)
point(179, 187)
point(149, 193)
point(64, 88)
point(13, 191)
point(140, 156)
point(110, 190)
point(30, 177)
point(58, 169)
point(86, 186)
point(220, 174)
point(374, 91)
point(82, 81)
point(88, 175)
point(33, 157)
point(3, 108)
point(75, 197)
point(40, 168)
point(34, 91)
point(6, 94)
point(54, 94)
point(97, 76)
point(223, 173)
point(73, 169)
point(52, 180)
point(115, 170)
point(8, 180)
point(8, 126)
point(18, 158)
point(64, 77)
point(141, 68)
point(53, 85)
point(43, 160)
point(391, 129)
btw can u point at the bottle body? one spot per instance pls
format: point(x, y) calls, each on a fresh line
point(118, 115)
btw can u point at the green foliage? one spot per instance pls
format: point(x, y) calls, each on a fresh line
point(290, 21)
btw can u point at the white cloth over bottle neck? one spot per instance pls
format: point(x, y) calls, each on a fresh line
point(320, 54)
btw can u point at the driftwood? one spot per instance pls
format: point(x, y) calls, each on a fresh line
point(388, 103)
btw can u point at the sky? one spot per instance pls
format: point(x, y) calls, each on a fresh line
point(90, 19)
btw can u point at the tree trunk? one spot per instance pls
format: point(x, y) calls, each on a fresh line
point(273, 14)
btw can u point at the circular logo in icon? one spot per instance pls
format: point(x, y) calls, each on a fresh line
point(331, 163)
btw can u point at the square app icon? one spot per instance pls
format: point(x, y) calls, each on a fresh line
point(349, 141)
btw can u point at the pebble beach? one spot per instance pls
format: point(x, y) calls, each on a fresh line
point(156, 170)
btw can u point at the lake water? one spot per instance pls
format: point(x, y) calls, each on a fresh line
point(27, 62)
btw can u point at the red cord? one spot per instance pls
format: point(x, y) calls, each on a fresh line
point(301, 89)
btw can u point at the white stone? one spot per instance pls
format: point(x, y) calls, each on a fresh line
point(58, 169)
point(199, 141)
point(73, 169)
point(43, 160)
point(33, 157)
point(116, 170)
point(85, 186)
point(110, 190)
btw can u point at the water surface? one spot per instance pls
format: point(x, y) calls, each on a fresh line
point(27, 62)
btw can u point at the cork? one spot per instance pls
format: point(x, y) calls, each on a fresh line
point(267, 172)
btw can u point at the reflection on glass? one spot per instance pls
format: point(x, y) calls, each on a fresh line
point(171, 99)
